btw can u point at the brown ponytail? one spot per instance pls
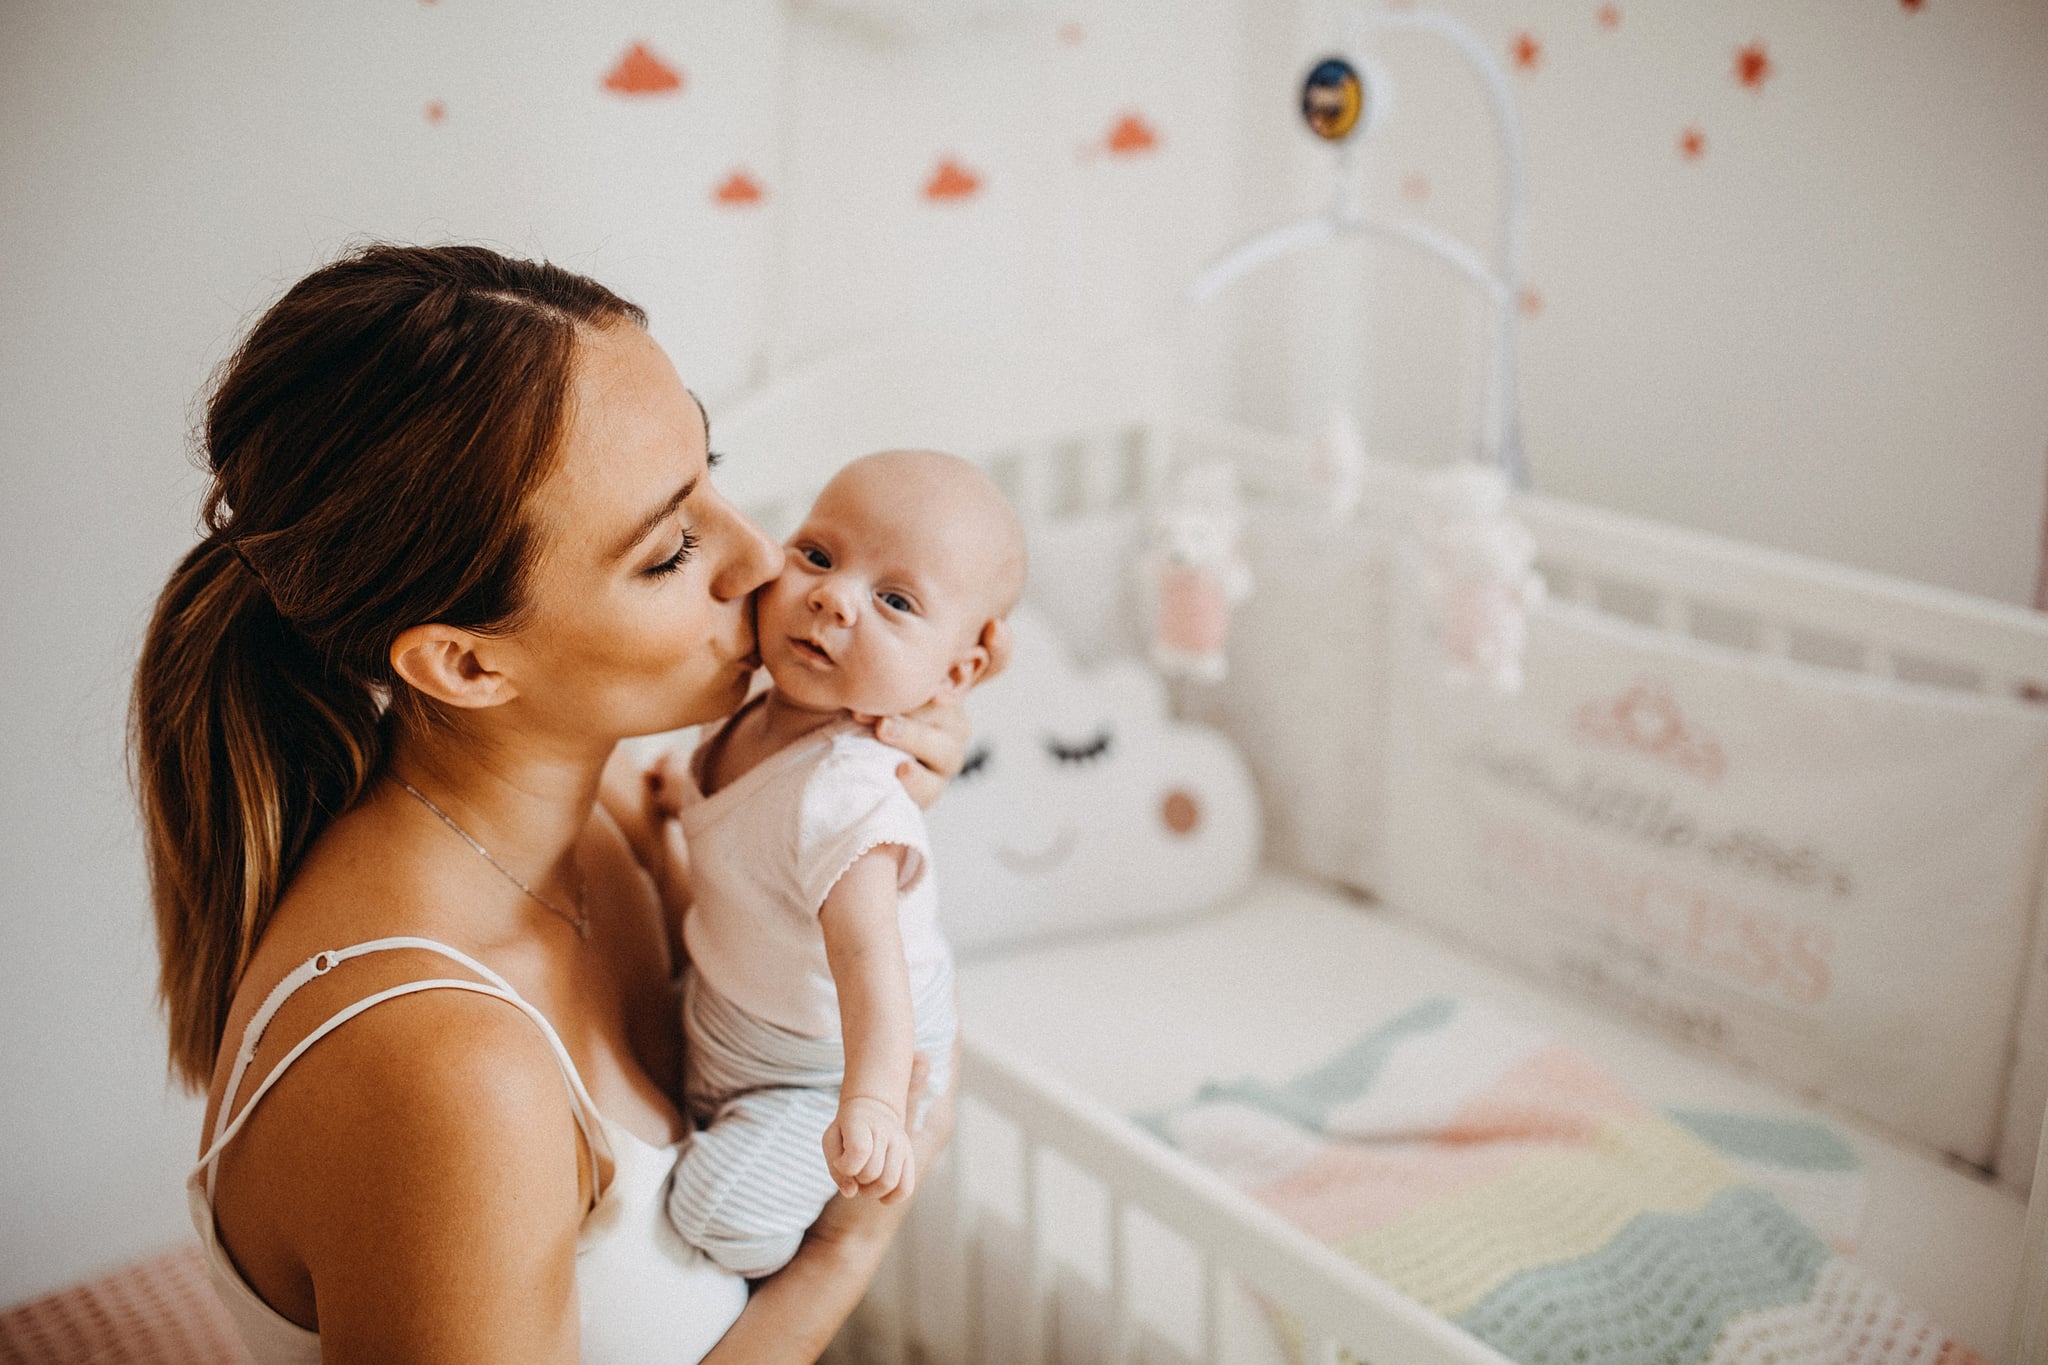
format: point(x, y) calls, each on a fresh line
point(373, 446)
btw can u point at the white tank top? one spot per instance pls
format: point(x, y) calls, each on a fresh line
point(645, 1295)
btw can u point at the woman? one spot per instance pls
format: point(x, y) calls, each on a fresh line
point(463, 539)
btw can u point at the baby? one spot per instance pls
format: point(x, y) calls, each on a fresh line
point(816, 965)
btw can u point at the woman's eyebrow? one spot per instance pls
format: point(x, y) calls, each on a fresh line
point(646, 524)
point(643, 527)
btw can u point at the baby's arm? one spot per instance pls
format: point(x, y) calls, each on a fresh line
point(866, 1147)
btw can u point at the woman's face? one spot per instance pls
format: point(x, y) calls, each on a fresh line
point(639, 611)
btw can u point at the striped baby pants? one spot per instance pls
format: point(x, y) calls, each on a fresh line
point(753, 1177)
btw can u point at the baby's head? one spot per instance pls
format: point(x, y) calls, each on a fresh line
point(888, 585)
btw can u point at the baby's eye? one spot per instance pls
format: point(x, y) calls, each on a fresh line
point(815, 557)
point(896, 601)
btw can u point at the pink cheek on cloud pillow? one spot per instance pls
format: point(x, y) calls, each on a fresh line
point(1084, 806)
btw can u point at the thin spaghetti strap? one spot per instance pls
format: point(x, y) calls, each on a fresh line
point(230, 1118)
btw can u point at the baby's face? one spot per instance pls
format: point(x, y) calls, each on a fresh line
point(879, 601)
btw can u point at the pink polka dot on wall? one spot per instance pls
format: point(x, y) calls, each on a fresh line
point(739, 190)
point(1692, 144)
point(1531, 303)
point(640, 72)
point(1180, 812)
point(436, 111)
point(1753, 65)
point(951, 181)
point(1131, 135)
point(1526, 51)
point(1415, 188)
point(1610, 16)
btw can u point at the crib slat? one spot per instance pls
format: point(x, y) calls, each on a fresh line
point(1123, 1333)
point(1155, 457)
point(1102, 471)
point(1212, 1312)
point(1035, 486)
point(967, 1237)
point(1032, 1348)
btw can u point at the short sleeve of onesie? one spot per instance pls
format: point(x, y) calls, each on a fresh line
point(852, 803)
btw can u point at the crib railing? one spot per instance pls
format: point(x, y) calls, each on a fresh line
point(1775, 603)
point(930, 1302)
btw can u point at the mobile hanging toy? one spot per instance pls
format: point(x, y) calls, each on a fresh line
point(1333, 99)
point(1195, 572)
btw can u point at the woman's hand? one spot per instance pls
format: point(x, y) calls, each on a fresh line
point(936, 734)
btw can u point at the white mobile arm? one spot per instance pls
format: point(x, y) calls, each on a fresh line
point(1500, 282)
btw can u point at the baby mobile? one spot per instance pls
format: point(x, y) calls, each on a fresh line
point(1473, 561)
point(1194, 566)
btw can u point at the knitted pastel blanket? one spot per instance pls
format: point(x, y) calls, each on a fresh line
point(1512, 1185)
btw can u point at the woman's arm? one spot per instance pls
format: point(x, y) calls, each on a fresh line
point(795, 1312)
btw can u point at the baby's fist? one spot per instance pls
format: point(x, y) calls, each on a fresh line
point(664, 785)
point(868, 1151)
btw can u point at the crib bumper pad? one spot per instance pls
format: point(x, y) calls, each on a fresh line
point(1509, 1183)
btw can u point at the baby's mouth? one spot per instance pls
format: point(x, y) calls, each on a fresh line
point(809, 650)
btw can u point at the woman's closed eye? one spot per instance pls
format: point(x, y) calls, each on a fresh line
point(676, 560)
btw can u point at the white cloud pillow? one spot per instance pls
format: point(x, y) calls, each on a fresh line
point(1084, 805)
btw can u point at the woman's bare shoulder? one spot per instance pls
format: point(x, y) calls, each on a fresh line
point(422, 1163)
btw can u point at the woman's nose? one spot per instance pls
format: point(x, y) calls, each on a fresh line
point(749, 558)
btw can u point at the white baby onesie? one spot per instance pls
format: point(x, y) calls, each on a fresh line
point(763, 1056)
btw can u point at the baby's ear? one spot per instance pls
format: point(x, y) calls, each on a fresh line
point(969, 667)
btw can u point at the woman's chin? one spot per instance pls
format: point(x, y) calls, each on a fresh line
point(708, 704)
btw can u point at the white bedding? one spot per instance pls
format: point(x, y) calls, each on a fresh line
point(1276, 980)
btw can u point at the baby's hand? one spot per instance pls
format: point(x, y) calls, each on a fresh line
point(664, 790)
point(868, 1152)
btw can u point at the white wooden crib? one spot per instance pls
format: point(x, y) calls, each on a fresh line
point(1053, 1226)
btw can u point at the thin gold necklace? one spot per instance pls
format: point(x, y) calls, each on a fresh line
point(580, 921)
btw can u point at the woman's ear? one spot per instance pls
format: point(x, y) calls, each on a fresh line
point(442, 662)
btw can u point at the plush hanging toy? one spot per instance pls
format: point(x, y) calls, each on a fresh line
point(1336, 470)
point(1478, 571)
point(1195, 569)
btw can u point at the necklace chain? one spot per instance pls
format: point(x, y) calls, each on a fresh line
point(580, 921)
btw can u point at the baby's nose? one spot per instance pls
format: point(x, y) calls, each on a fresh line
point(832, 595)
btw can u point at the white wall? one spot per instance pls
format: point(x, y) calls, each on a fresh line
point(1824, 334)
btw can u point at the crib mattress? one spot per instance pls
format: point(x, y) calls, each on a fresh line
point(1274, 981)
